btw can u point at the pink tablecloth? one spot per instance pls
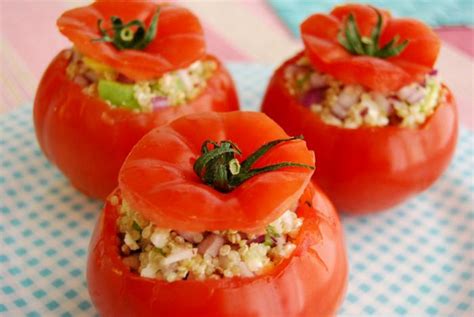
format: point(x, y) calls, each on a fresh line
point(236, 31)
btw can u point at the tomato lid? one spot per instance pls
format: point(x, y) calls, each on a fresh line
point(178, 41)
point(354, 44)
point(159, 179)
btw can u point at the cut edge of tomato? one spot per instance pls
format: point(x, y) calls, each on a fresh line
point(448, 94)
point(122, 111)
point(304, 242)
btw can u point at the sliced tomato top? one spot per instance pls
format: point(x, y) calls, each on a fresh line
point(179, 40)
point(158, 180)
point(320, 36)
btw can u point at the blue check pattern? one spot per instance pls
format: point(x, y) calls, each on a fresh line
point(414, 260)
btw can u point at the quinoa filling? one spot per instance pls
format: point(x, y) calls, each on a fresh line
point(353, 106)
point(172, 255)
point(174, 88)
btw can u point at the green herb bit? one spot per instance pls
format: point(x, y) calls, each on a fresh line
point(356, 44)
point(132, 35)
point(136, 226)
point(218, 166)
point(160, 251)
point(269, 235)
point(118, 94)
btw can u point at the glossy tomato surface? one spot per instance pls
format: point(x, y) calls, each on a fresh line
point(321, 34)
point(178, 42)
point(370, 168)
point(158, 173)
point(311, 282)
point(88, 140)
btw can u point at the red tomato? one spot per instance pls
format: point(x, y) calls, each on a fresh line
point(320, 36)
point(158, 173)
point(88, 140)
point(179, 40)
point(369, 168)
point(311, 282)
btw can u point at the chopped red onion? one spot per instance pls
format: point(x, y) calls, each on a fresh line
point(434, 72)
point(159, 102)
point(313, 96)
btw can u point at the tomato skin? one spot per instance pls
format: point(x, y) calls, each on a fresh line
point(371, 168)
point(88, 140)
point(159, 171)
point(178, 42)
point(311, 282)
point(320, 35)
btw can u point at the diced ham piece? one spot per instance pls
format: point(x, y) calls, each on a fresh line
point(193, 237)
point(381, 100)
point(348, 97)
point(318, 80)
point(211, 245)
point(411, 93)
point(81, 81)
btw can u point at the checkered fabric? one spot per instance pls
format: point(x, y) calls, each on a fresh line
point(414, 260)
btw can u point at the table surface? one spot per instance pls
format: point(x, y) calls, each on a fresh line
point(415, 260)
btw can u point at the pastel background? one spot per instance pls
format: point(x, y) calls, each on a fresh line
point(414, 260)
point(255, 31)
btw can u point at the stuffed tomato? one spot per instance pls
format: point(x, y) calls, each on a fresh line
point(366, 98)
point(134, 66)
point(210, 221)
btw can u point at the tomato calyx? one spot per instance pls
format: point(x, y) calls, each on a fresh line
point(219, 167)
point(350, 38)
point(125, 36)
